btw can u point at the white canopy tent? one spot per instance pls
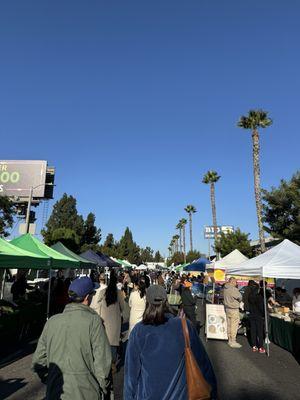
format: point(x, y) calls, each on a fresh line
point(233, 259)
point(282, 261)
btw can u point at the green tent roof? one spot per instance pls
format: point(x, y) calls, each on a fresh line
point(32, 244)
point(84, 263)
point(180, 267)
point(124, 262)
point(13, 257)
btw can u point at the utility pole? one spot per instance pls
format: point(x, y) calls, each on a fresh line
point(27, 221)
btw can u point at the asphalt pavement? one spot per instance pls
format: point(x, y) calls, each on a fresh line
point(241, 374)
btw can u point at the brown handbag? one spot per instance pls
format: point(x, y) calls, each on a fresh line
point(198, 388)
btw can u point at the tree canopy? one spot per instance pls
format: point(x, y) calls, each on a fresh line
point(228, 242)
point(282, 209)
point(254, 120)
point(210, 177)
point(67, 226)
point(7, 212)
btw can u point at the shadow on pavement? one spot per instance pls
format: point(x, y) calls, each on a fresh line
point(10, 386)
point(17, 353)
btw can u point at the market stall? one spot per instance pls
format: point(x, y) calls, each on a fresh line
point(56, 260)
point(282, 261)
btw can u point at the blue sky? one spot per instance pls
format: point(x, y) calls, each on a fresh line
point(134, 101)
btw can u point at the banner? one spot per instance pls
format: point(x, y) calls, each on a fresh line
point(216, 325)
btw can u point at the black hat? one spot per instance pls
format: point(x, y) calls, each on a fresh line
point(156, 294)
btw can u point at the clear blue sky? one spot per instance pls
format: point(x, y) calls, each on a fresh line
point(133, 101)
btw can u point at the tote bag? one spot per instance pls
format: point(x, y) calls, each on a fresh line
point(198, 388)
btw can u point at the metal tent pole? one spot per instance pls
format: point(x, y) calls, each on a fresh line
point(266, 319)
point(49, 291)
point(3, 284)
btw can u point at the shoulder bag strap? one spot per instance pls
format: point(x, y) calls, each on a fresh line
point(185, 332)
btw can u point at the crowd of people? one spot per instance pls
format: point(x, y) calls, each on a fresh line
point(77, 352)
point(98, 319)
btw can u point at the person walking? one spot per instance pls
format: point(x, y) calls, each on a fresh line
point(155, 361)
point(73, 355)
point(189, 303)
point(95, 303)
point(257, 318)
point(137, 303)
point(232, 299)
point(111, 306)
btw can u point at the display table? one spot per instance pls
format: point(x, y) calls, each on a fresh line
point(286, 335)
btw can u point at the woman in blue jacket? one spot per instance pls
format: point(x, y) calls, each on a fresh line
point(154, 365)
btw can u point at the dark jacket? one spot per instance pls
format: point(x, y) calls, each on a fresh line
point(189, 304)
point(155, 366)
point(256, 303)
point(246, 298)
point(73, 355)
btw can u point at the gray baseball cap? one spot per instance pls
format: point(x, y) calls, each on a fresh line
point(156, 294)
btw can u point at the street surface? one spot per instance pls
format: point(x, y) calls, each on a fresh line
point(241, 374)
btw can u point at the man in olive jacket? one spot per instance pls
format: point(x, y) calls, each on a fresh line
point(73, 355)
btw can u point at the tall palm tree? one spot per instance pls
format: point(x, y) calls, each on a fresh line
point(210, 178)
point(254, 120)
point(176, 238)
point(170, 251)
point(183, 222)
point(179, 227)
point(190, 210)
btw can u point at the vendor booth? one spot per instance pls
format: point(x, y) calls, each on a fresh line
point(282, 261)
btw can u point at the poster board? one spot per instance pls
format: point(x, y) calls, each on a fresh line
point(216, 324)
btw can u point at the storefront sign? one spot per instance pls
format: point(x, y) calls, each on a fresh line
point(209, 232)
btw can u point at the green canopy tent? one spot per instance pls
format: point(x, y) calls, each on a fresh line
point(179, 268)
point(83, 262)
point(57, 260)
point(124, 263)
point(13, 257)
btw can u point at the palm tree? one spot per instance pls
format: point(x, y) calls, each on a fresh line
point(254, 120)
point(179, 227)
point(210, 178)
point(176, 238)
point(170, 250)
point(183, 222)
point(190, 210)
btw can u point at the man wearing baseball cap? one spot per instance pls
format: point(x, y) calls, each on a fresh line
point(73, 355)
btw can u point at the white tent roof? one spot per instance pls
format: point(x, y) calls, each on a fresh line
point(233, 259)
point(282, 261)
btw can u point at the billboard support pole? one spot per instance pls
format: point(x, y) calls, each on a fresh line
point(27, 221)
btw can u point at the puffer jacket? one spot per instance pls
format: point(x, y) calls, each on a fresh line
point(232, 296)
point(73, 355)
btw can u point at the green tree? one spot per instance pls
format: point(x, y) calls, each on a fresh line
point(110, 246)
point(210, 178)
point(253, 121)
point(91, 235)
point(146, 255)
point(282, 209)
point(192, 256)
point(65, 224)
point(158, 257)
point(7, 213)
point(128, 249)
point(190, 210)
point(226, 243)
point(176, 259)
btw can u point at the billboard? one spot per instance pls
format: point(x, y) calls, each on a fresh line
point(210, 234)
point(18, 176)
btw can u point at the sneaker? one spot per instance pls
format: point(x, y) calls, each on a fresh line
point(235, 345)
point(262, 350)
point(254, 349)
